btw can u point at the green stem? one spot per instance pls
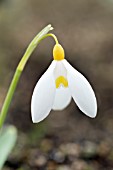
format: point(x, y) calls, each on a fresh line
point(9, 97)
point(42, 35)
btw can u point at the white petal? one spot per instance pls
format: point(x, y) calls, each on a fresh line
point(81, 91)
point(60, 70)
point(62, 98)
point(43, 95)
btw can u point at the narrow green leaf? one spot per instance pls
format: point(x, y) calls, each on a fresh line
point(8, 138)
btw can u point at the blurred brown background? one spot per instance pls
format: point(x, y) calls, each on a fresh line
point(85, 29)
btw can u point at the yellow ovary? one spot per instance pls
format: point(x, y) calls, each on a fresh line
point(58, 52)
point(61, 80)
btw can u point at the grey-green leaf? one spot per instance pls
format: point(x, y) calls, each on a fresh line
point(8, 138)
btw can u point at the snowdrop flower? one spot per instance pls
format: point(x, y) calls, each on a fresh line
point(58, 85)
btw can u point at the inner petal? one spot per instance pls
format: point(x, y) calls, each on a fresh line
point(61, 80)
point(60, 74)
point(62, 98)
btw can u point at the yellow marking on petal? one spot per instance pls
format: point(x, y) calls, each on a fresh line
point(61, 80)
point(58, 52)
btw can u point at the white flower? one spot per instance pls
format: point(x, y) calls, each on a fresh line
point(58, 85)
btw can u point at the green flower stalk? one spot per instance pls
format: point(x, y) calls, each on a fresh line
point(42, 35)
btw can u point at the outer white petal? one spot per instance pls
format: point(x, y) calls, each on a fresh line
point(81, 91)
point(43, 95)
point(62, 98)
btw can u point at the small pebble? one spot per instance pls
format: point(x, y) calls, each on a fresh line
point(104, 149)
point(79, 165)
point(57, 156)
point(70, 149)
point(37, 158)
point(63, 167)
point(51, 165)
point(46, 145)
point(88, 150)
point(40, 161)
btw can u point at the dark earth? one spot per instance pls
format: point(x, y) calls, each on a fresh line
point(66, 140)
